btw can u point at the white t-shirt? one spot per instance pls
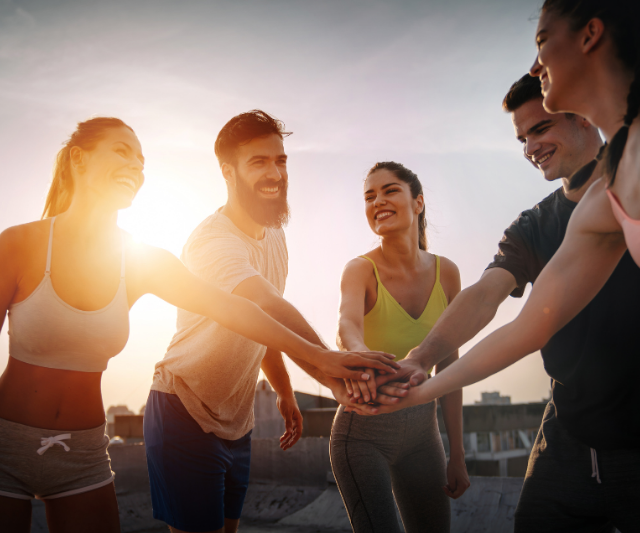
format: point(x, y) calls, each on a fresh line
point(211, 369)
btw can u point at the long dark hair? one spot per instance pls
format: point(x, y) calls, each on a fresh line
point(622, 19)
point(86, 136)
point(404, 174)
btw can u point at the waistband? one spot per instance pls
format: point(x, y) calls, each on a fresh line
point(30, 431)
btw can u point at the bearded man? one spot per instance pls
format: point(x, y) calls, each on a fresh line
point(199, 414)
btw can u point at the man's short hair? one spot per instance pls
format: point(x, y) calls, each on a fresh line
point(242, 129)
point(524, 90)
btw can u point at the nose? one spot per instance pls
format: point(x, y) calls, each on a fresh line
point(136, 164)
point(530, 148)
point(379, 201)
point(536, 68)
point(273, 172)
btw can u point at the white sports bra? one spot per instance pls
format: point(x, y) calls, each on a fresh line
point(46, 331)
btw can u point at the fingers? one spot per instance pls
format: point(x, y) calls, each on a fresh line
point(383, 399)
point(394, 390)
point(373, 360)
point(372, 387)
point(356, 375)
point(383, 379)
point(348, 385)
point(418, 377)
point(364, 391)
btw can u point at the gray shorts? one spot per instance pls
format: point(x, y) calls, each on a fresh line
point(49, 463)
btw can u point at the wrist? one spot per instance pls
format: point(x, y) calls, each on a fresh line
point(456, 454)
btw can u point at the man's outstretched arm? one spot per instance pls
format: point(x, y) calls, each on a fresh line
point(264, 294)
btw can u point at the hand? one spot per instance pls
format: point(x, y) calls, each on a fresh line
point(341, 395)
point(292, 416)
point(364, 391)
point(346, 364)
point(457, 478)
point(410, 371)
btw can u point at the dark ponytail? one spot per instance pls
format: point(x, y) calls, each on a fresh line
point(621, 19)
point(404, 174)
point(617, 144)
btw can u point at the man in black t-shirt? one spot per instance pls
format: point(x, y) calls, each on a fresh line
point(584, 469)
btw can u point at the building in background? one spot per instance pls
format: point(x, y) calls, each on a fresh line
point(494, 398)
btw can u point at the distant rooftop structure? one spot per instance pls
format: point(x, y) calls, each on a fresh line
point(494, 398)
point(117, 410)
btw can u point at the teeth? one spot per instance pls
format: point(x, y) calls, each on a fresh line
point(269, 189)
point(385, 214)
point(128, 182)
point(543, 159)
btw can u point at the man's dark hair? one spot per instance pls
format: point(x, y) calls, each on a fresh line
point(524, 90)
point(242, 129)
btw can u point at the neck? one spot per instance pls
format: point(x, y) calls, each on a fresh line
point(401, 249)
point(242, 220)
point(605, 104)
point(575, 195)
point(86, 219)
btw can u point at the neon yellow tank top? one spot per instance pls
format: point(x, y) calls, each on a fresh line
point(389, 328)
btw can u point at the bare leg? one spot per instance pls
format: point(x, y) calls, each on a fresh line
point(16, 515)
point(95, 511)
point(231, 526)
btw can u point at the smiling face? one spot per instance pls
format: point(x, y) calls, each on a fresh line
point(389, 206)
point(560, 63)
point(261, 180)
point(112, 171)
point(553, 143)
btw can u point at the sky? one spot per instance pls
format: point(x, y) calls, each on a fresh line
point(418, 82)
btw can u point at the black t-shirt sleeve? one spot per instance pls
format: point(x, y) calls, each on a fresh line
point(515, 254)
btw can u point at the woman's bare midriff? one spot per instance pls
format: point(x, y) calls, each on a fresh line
point(50, 398)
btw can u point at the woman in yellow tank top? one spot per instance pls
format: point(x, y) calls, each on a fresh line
point(390, 299)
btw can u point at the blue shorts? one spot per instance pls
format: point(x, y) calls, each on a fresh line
point(197, 479)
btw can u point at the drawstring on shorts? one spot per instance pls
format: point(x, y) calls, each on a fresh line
point(47, 442)
point(595, 471)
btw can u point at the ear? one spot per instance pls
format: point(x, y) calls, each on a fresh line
point(77, 158)
point(420, 204)
point(592, 35)
point(228, 173)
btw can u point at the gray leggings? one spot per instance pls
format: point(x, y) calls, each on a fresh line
point(377, 458)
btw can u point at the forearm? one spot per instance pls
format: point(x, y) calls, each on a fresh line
point(246, 318)
point(502, 348)
point(350, 337)
point(276, 373)
point(468, 314)
point(452, 414)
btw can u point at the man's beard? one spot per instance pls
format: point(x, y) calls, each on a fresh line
point(270, 213)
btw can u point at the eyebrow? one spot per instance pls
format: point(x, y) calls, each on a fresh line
point(537, 127)
point(130, 148)
point(384, 187)
point(261, 157)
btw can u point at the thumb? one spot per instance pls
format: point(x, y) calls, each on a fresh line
point(417, 378)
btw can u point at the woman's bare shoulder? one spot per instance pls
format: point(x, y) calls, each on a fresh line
point(23, 236)
point(593, 213)
point(449, 277)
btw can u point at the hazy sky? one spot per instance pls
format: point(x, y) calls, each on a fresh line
point(419, 82)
